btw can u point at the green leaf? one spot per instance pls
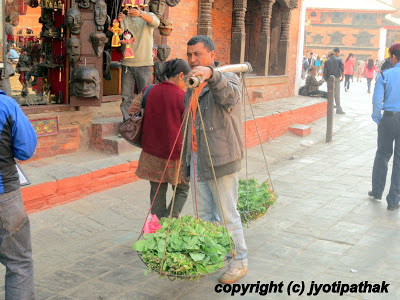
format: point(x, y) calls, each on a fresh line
point(197, 256)
point(140, 245)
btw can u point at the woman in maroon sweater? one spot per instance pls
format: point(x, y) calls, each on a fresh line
point(162, 121)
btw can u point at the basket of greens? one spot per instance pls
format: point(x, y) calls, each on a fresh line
point(194, 248)
point(254, 199)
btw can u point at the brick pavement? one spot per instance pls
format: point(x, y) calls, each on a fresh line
point(322, 226)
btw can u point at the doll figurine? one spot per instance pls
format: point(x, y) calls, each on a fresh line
point(115, 41)
point(128, 39)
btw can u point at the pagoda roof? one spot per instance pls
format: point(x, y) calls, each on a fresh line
point(353, 5)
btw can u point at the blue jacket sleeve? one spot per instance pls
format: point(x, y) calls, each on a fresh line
point(23, 135)
point(377, 100)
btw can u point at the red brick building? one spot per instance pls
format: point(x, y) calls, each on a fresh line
point(347, 25)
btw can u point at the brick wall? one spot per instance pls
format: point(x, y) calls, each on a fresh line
point(221, 15)
point(184, 16)
point(275, 125)
point(75, 129)
point(67, 141)
point(49, 194)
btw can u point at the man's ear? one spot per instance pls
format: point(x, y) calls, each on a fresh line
point(212, 54)
point(181, 76)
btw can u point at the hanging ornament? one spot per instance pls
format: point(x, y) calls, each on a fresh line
point(115, 41)
point(128, 39)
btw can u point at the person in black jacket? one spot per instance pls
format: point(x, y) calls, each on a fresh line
point(17, 140)
point(334, 66)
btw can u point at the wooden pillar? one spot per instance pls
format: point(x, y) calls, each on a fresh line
point(284, 41)
point(205, 22)
point(265, 37)
point(238, 31)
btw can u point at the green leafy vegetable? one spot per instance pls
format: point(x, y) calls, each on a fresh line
point(254, 200)
point(194, 247)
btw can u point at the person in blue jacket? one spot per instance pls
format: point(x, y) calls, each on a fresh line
point(17, 140)
point(387, 99)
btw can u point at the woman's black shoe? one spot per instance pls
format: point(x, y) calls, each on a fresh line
point(371, 194)
point(393, 207)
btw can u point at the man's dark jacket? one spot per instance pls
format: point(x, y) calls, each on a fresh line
point(333, 66)
point(220, 104)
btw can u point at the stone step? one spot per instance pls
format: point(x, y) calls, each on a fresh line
point(116, 145)
point(300, 129)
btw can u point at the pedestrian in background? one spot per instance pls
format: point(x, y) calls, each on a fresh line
point(17, 140)
point(317, 65)
point(369, 73)
point(304, 67)
point(137, 71)
point(311, 60)
point(164, 108)
point(321, 70)
point(349, 64)
point(334, 66)
point(387, 98)
point(360, 65)
point(312, 84)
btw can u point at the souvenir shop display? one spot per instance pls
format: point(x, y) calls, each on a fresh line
point(100, 14)
point(98, 41)
point(85, 82)
point(73, 50)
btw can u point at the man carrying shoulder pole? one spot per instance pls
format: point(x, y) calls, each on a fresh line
point(220, 105)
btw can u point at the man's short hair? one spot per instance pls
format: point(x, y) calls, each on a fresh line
point(311, 68)
point(336, 49)
point(208, 43)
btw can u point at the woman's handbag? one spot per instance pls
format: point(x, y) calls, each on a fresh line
point(131, 129)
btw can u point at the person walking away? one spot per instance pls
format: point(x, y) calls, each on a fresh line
point(349, 64)
point(312, 84)
point(386, 98)
point(360, 65)
point(334, 66)
point(221, 108)
point(318, 63)
point(164, 109)
point(321, 70)
point(136, 71)
point(311, 60)
point(17, 140)
point(369, 73)
point(304, 67)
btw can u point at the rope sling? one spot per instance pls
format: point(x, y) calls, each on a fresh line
point(195, 91)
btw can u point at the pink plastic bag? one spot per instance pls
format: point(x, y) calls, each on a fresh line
point(151, 226)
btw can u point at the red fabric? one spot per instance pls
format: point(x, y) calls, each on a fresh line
point(162, 120)
point(349, 66)
point(369, 73)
